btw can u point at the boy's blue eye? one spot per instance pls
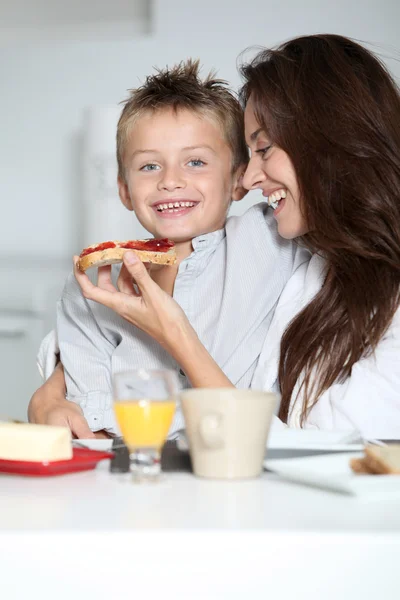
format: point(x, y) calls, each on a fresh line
point(196, 162)
point(150, 167)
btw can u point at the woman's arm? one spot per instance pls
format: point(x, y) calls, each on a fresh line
point(157, 314)
point(199, 366)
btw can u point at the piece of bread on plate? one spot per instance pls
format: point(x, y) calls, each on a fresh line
point(383, 460)
point(358, 465)
point(378, 460)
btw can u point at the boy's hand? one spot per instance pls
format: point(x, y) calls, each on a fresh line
point(65, 414)
point(144, 305)
point(48, 406)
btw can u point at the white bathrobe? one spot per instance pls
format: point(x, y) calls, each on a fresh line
point(369, 400)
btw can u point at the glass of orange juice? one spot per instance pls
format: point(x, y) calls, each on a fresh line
point(144, 406)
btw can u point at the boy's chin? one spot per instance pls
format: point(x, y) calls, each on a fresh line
point(179, 239)
point(176, 237)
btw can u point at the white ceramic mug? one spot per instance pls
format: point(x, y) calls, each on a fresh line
point(227, 430)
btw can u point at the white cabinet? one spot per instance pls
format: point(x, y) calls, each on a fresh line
point(20, 336)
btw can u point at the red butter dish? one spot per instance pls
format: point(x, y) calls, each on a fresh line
point(82, 460)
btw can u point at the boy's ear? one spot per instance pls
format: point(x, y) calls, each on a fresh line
point(238, 191)
point(124, 194)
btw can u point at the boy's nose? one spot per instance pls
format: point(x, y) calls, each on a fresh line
point(171, 180)
point(253, 176)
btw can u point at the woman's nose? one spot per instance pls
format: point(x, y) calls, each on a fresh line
point(253, 175)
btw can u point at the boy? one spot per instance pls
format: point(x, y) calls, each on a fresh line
point(181, 153)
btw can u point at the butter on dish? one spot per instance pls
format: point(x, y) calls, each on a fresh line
point(34, 443)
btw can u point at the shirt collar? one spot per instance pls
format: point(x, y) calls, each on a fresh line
point(208, 240)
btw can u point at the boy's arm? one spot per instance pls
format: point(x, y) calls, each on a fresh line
point(48, 406)
point(86, 349)
point(85, 372)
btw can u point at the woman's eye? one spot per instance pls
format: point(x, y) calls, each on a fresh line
point(150, 167)
point(196, 162)
point(263, 151)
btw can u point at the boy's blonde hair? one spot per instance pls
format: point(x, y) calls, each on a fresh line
point(181, 88)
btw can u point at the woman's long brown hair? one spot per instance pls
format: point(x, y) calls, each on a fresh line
point(334, 108)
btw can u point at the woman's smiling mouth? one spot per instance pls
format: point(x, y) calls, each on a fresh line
point(275, 197)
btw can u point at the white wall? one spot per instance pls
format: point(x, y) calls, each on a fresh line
point(45, 87)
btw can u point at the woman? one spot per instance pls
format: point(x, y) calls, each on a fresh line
point(332, 114)
point(322, 119)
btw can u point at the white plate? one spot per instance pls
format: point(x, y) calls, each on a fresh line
point(302, 439)
point(287, 439)
point(333, 472)
point(314, 439)
point(92, 444)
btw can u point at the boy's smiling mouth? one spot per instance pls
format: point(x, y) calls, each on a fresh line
point(174, 207)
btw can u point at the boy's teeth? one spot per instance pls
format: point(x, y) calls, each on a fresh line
point(174, 205)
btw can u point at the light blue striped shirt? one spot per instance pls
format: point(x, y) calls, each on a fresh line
point(228, 287)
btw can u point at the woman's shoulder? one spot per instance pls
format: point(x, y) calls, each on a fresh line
point(257, 214)
point(257, 228)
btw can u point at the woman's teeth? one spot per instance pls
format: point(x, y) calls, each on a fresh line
point(174, 206)
point(274, 199)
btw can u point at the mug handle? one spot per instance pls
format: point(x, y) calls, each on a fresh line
point(210, 429)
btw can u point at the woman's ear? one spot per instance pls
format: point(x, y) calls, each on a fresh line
point(238, 191)
point(124, 194)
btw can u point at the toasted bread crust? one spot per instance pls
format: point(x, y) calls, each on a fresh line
point(114, 255)
point(358, 465)
point(383, 460)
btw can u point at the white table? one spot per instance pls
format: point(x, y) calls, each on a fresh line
point(90, 535)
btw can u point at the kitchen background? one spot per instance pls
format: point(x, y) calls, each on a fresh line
point(64, 68)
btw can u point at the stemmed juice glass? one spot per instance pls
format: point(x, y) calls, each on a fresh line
point(144, 406)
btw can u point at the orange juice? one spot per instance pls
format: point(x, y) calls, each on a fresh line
point(144, 423)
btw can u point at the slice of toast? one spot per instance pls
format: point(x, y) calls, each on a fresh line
point(358, 465)
point(114, 255)
point(384, 460)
